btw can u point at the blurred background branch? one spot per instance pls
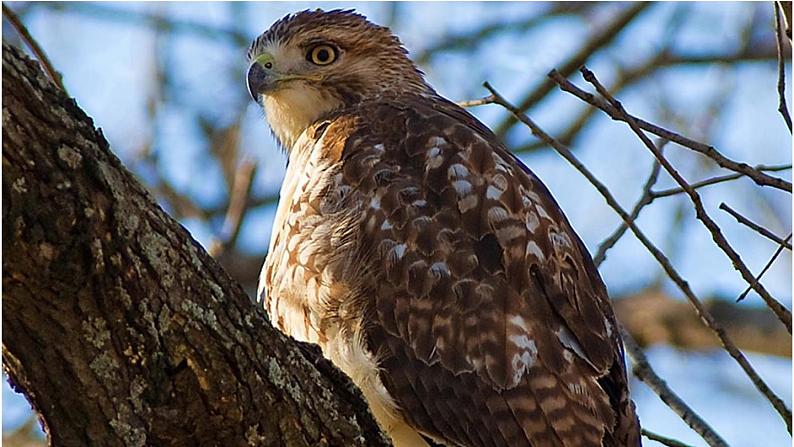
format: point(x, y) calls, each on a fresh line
point(590, 46)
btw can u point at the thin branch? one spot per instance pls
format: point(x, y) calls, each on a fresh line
point(767, 266)
point(238, 207)
point(704, 149)
point(642, 369)
point(476, 102)
point(781, 70)
point(758, 228)
point(663, 439)
point(645, 199)
point(700, 212)
point(718, 179)
point(701, 311)
point(783, 314)
point(599, 40)
point(632, 75)
point(34, 46)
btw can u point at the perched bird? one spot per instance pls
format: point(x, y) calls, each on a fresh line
point(426, 260)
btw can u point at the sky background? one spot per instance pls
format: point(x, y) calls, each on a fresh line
point(110, 63)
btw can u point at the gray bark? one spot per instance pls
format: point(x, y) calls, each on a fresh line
point(117, 325)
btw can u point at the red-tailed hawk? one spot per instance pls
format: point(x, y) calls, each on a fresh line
point(425, 259)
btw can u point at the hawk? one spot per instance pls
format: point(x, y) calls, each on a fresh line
point(427, 262)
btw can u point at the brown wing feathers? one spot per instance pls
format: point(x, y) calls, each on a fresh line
point(491, 328)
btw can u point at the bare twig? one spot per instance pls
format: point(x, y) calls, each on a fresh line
point(630, 76)
point(645, 199)
point(642, 369)
point(709, 151)
point(768, 265)
point(624, 80)
point(701, 311)
point(476, 102)
point(700, 212)
point(758, 228)
point(663, 439)
point(718, 179)
point(781, 69)
point(599, 40)
point(34, 46)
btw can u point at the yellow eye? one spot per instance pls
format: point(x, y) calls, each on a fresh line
point(322, 55)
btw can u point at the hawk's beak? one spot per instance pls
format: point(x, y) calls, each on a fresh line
point(259, 80)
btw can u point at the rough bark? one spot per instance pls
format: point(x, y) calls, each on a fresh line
point(117, 325)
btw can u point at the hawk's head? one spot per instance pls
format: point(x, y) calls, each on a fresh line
point(313, 62)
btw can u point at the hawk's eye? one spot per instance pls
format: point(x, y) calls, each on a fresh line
point(321, 54)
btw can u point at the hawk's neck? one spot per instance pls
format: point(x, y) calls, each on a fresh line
point(291, 111)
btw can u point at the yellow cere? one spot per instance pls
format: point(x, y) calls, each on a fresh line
point(263, 59)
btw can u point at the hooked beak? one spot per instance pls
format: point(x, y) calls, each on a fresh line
point(259, 80)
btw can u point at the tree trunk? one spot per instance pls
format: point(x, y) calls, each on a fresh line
point(117, 325)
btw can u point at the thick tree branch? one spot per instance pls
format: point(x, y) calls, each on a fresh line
point(118, 327)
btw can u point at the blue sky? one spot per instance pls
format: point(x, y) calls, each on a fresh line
point(107, 65)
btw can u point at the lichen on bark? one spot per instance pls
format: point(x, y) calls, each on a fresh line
point(118, 327)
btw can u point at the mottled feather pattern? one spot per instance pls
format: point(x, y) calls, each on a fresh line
point(475, 279)
point(430, 264)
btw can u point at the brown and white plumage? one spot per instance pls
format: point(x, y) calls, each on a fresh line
point(427, 261)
